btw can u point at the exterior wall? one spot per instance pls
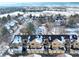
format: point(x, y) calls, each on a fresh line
point(76, 44)
point(56, 44)
point(34, 44)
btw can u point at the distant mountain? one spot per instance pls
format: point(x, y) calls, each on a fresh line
point(40, 4)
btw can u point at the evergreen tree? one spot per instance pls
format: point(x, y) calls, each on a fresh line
point(30, 28)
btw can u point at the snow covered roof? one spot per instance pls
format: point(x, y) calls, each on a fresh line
point(39, 39)
point(41, 29)
point(17, 39)
point(63, 40)
point(12, 23)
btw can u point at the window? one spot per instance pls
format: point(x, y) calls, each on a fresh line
point(76, 43)
point(54, 43)
point(32, 43)
point(25, 41)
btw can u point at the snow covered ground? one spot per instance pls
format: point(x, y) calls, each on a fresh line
point(3, 48)
point(11, 14)
point(42, 29)
point(34, 55)
point(64, 55)
point(67, 13)
point(62, 13)
point(15, 50)
point(71, 31)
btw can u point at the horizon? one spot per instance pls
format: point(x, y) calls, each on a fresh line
point(17, 4)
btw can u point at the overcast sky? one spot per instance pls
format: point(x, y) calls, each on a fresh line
point(15, 2)
point(4, 1)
